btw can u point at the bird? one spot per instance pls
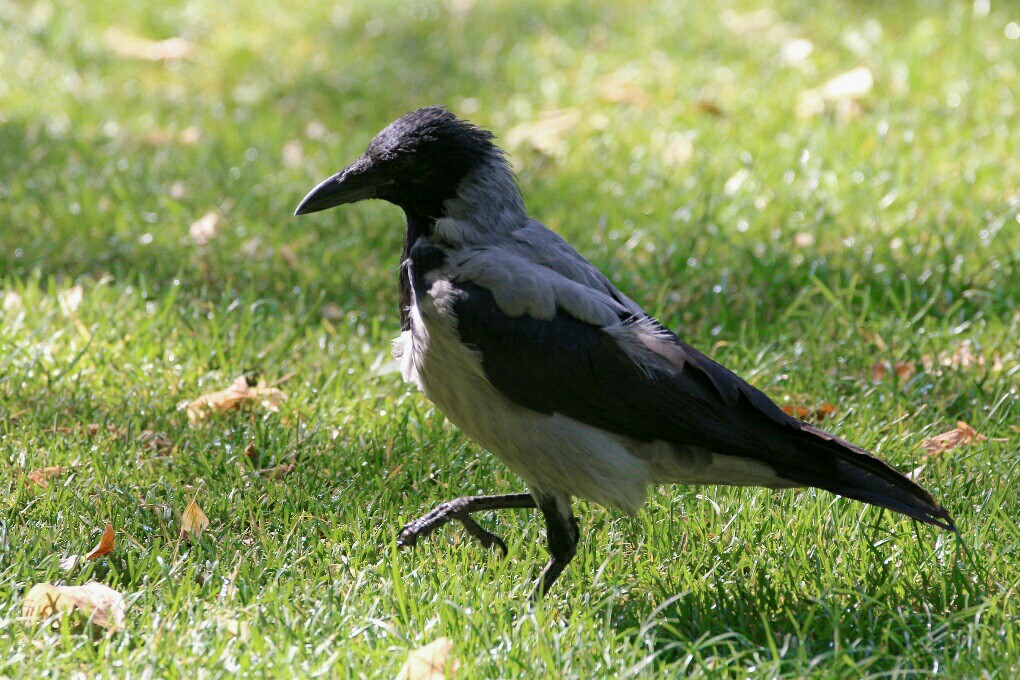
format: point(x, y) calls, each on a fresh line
point(527, 348)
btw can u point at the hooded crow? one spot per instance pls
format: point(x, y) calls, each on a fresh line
point(525, 346)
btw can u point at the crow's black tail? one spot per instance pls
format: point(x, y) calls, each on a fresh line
point(842, 468)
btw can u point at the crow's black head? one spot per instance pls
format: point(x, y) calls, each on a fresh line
point(416, 162)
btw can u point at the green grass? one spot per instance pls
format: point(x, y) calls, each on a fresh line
point(906, 220)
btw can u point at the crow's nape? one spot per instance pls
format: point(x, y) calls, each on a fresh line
point(852, 472)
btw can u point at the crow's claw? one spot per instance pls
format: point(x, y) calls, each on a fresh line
point(445, 513)
point(460, 509)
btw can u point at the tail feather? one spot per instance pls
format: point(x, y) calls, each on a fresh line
point(850, 471)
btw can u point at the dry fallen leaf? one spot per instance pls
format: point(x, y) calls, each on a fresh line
point(840, 94)
point(155, 441)
point(193, 521)
point(237, 394)
point(204, 229)
point(710, 107)
point(105, 544)
point(760, 24)
point(960, 358)
point(288, 255)
point(41, 476)
point(904, 370)
point(430, 662)
point(128, 46)
point(544, 135)
point(169, 136)
point(103, 604)
point(961, 434)
point(91, 429)
point(624, 92)
point(805, 413)
point(280, 471)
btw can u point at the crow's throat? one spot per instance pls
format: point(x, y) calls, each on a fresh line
point(417, 226)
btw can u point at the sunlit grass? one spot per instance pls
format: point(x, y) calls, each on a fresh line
point(799, 251)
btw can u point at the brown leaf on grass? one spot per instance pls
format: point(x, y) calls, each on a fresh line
point(129, 46)
point(963, 357)
point(431, 662)
point(204, 229)
point(189, 136)
point(41, 476)
point(288, 255)
point(904, 370)
point(710, 107)
point(839, 94)
point(959, 435)
point(279, 471)
point(624, 92)
point(91, 428)
point(238, 394)
point(807, 413)
point(193, 521)
point(544, 135)
point(104, 605)
point(105, 544)
point(155, 441)
point(760, 24)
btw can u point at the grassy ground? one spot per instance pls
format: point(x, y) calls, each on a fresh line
point(800, 250)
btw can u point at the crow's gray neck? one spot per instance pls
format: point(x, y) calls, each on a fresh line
point(488, 205)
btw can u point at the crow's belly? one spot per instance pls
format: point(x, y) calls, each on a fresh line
point(553, 452)
point(550, 452)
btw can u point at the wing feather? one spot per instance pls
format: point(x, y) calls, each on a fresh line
point(635, 378)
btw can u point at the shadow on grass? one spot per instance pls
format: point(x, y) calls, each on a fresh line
point(365, 74)
point(873, 626)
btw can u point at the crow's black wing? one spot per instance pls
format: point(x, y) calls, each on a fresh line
point(638, 380)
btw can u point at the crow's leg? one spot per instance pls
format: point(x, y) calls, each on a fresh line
point(563, 534)
point(460, 509)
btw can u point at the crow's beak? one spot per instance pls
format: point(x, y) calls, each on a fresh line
point(360, 181)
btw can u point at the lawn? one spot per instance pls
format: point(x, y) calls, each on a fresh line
point(852, 249)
